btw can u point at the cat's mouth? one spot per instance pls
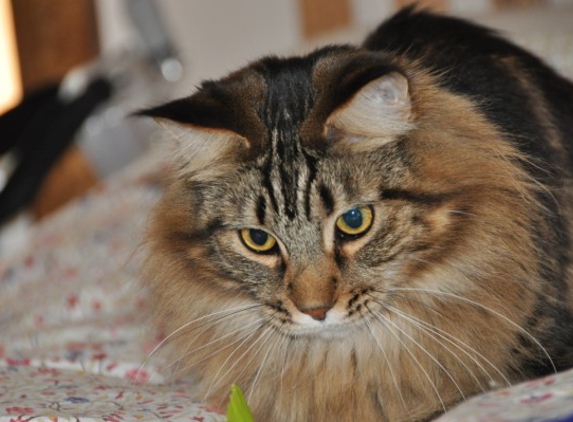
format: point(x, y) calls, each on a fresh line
point(336, 322)
point(322, 329)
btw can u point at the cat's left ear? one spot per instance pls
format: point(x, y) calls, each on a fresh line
point(380, 108)
point(213, 128)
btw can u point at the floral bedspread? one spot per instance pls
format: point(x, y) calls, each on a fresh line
point(75, 347)
point(73, 343)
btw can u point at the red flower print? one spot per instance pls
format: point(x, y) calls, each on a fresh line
point(536, 398)
point(75, 345)
point(15, 362)
point(212, 410)
point(137, 375)
point(71, 272)
point(141, 303)
point(114, 417)
point(16, 410)
point(73, 300)
point(51, 371)
point(99, 356)
point(29, 262)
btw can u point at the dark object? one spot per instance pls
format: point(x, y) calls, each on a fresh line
point(38, 131)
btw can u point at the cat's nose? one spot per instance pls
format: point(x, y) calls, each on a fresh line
point(318, 313)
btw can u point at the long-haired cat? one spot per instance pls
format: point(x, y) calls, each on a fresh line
point(369, 233)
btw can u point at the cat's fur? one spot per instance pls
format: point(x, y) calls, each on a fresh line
point(462, 143)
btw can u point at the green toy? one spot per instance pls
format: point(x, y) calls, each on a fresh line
point(238, 409)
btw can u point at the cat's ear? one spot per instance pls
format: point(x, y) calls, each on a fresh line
point(201, 142)
point(214, 106)
point(380, 108)
point(207, 127)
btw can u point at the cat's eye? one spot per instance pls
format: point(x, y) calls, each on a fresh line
point(258, 240)
point(356, 221)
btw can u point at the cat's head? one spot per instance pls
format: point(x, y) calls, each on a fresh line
point(314, 186)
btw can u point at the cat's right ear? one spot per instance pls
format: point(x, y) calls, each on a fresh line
point(380, 109)
point(207, 131)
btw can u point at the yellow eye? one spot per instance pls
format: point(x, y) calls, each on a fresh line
point(257, 240)
point(356, 221)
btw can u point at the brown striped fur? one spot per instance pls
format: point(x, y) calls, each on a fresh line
point(461, 284)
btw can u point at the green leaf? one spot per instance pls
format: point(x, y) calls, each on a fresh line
point(238, 409)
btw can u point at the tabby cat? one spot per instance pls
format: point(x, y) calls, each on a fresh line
point(369, 233)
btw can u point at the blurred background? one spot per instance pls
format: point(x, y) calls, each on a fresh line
point(72, 71)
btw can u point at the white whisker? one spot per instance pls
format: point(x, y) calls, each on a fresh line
point(431, 334)
point(253, 355)
point(261, 366)
point(230, 312)
point(240, 339)
point(426, 352)
point(203, 346)
point(381, 318)
point(392, 374)
point(218, 375)
point(479, 305)
point(456, 342)
point(285, 341)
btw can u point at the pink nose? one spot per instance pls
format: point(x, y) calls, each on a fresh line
point(317, 313)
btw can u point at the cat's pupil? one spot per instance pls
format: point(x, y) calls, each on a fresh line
point(353, 218)
point(258, 237)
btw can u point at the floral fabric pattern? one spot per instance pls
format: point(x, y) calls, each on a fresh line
point(73, 344)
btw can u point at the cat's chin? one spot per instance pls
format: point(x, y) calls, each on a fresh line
point(319, 329)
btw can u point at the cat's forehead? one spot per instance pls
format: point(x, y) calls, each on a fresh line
point(292, 95)
point(284, 80)
point(288, 92)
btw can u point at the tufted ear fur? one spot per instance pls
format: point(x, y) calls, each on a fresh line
point(379, 109)
point(204, 151)
point(201, 145)
point(213, 127)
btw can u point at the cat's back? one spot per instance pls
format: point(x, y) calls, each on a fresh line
point(441, 39)
point(516, 90)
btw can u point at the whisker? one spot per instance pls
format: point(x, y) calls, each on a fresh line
point(260, 370)
point(240, 339)
point(285, 341)
point(426, 352)
point(203, 346)
point(392, 374)
point(451, 339)
point(231, 312)
point(479, 305)
point(218, 374)
point(460, 212)
point(460, 273)
point(456, 342)
point(432, 384)
point(431, 334)
point(253, 356)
